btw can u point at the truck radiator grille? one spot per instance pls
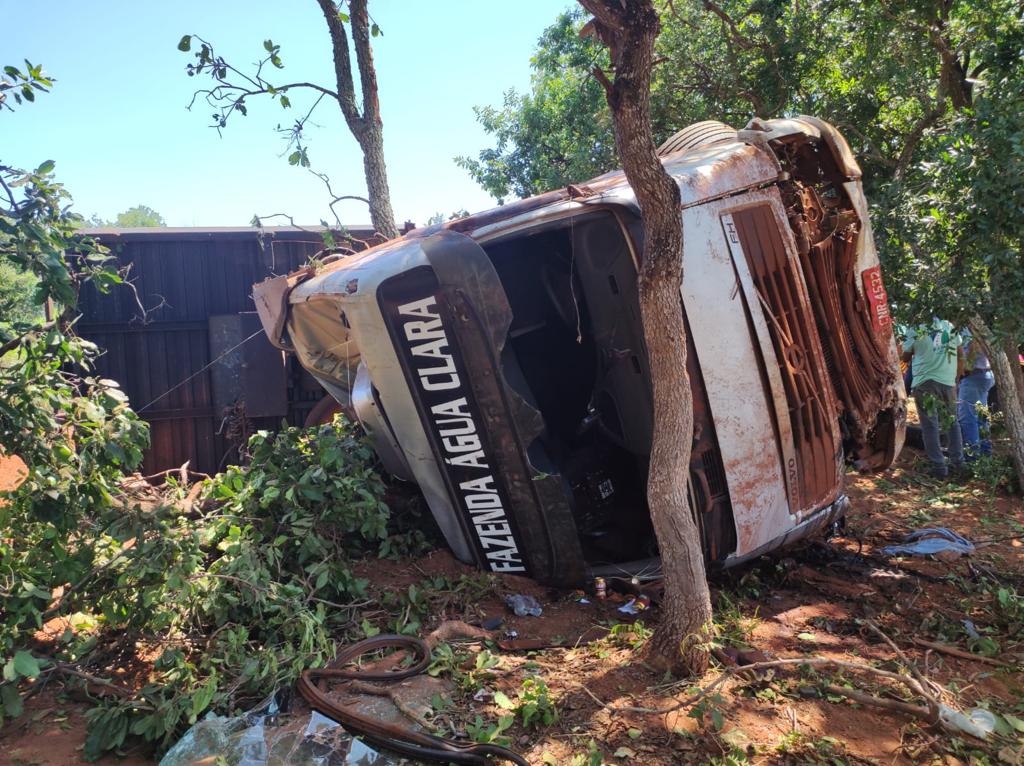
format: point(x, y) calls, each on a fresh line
point(780, 289)
point(863, 372)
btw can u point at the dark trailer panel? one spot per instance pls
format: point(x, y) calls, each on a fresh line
point(194, 287)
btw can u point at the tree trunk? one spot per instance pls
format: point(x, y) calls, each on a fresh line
point(377, 192)
point(1015, 372)
point(366, 125)
point(629, 30)
point(1010, 385)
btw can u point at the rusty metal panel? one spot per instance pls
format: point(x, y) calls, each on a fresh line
point(812, 411)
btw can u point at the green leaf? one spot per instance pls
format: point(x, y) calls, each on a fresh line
point(268, 46)
point(46, 167)
point(369, 630)
point(12, 702)
point(1015, 722)
point(185, 43)
point(634, 733)
point(343, 17)
point(716, 719)
point(203, 696)
point(285, 102)
point(501, 700)
point(26, 665)
point(624, 752)
point(375, 31)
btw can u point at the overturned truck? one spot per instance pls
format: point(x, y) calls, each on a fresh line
point(498, 360)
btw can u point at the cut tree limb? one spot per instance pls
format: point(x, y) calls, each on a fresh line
point(954, 652)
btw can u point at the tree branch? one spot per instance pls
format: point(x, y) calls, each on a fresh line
point(364, 60)
point(342, 67)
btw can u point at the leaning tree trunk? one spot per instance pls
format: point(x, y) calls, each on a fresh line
point(629, 30)
point(1010, 385)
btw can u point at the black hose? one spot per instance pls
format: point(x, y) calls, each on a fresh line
point(388, 736)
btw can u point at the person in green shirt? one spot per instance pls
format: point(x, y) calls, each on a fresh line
point(936, 358)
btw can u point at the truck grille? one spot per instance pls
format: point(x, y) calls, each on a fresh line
point(780, 289)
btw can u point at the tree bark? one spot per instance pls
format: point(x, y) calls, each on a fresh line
point(377, 191)
point(366, 126)
point(629, 30)
point(1010, 385)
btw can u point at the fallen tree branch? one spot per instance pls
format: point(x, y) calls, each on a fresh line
point(451, 629)
point(926, 688)
point(954, 652)
point(916, 683)
point(66, 669)
point(755, 667)
point(915, 711)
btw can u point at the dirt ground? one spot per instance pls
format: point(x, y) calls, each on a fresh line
point(809, 601)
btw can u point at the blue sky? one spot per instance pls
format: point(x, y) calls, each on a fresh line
point(117, 126)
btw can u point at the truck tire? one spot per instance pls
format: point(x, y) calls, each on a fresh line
point(699, 134)
point(323, 412)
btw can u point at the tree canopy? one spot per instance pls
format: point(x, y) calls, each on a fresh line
point(139, 216)
point(926, 92)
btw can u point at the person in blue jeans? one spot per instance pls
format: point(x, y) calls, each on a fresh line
point(974, 390)
point(935, 357)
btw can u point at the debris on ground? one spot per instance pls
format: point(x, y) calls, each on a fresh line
point(931, 541)
point(269, 737)
point(524, 606)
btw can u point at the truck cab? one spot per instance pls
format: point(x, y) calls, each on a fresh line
point(498, 360)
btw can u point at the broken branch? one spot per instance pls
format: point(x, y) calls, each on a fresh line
point(954, 652)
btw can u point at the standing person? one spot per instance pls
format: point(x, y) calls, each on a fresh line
point(974, 390)
point(935, 358)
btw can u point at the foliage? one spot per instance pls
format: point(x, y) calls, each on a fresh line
point(487, 733)
point(557, 133)
point(23, 84)
point(234, 600)
point(139, 216)
point(732, 626)
point(75, 432)
point(37, 228)
point(631, 635)
point(966, 253)
point(249, 594)
point(533, 705)
point(17, 288)
point(927, 93)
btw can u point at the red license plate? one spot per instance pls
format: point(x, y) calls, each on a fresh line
point(878, 300)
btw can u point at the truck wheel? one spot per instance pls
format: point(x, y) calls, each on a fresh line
point(323, 412)
point(699, 134)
